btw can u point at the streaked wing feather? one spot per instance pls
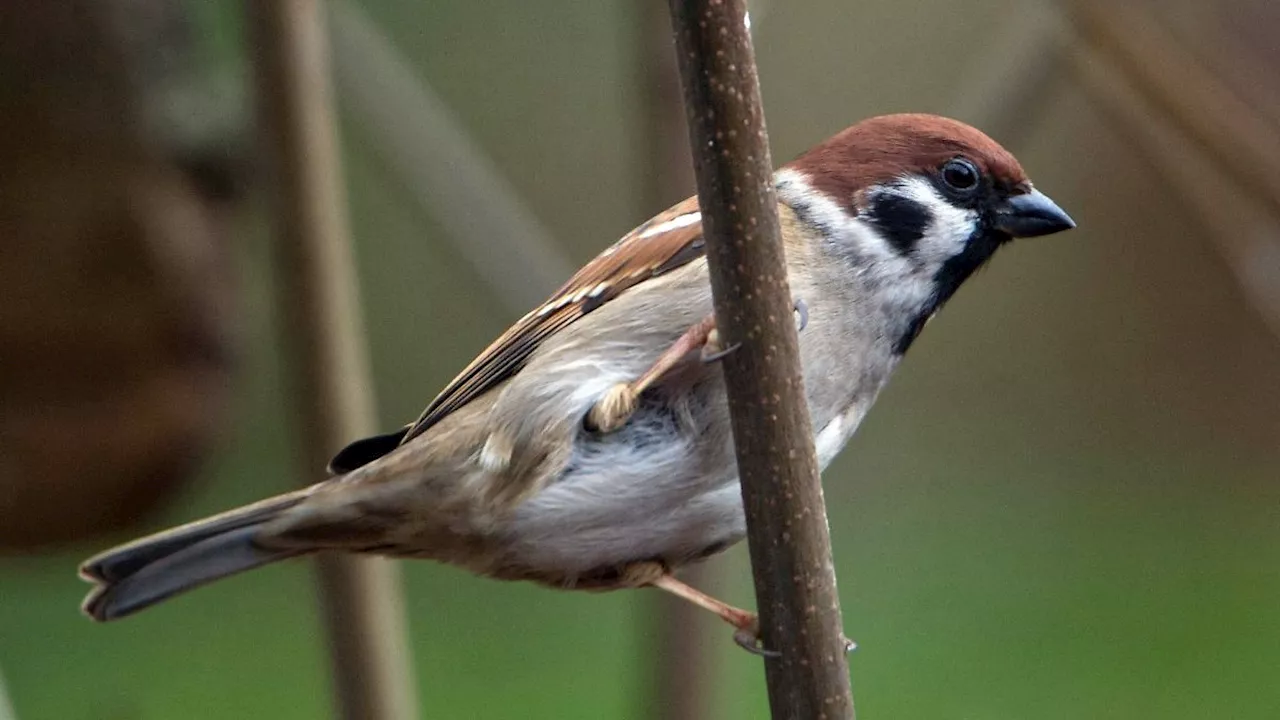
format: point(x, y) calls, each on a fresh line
point(669, 240)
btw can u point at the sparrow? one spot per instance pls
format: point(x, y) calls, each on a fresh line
point(589, 446)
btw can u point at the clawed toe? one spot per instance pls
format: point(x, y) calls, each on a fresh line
point(713, 349)
point(802, 314)
point(712, 356)
point(748, 638)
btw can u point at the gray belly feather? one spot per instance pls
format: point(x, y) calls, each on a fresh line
point(663, 487)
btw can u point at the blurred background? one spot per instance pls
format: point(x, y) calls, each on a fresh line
point(1066, 505)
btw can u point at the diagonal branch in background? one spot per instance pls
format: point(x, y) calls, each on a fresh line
point(1246, 233)
point(1006, 90)
point(1246, 144)
point(361, 599)
point(1012, 79)
point(787, 528)
point(417, 136)
point(1210, 146)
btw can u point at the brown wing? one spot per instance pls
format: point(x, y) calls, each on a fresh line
point(667, 241)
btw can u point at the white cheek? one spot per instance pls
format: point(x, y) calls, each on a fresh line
point(851, 231)
point(951, 227)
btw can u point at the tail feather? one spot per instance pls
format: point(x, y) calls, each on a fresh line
point(144, 572)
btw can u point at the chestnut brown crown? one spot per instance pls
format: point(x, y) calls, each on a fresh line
point(880, 149)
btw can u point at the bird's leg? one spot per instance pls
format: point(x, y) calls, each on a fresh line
point(745, 622)
point(612, 411)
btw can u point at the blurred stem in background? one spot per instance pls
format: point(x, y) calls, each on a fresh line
point(1137, 46)
point(361, 598)
point(6, 707)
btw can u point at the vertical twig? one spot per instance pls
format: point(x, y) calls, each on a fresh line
point(683, 661)
point(360, 598)
point(6, 707)
point(786, 519)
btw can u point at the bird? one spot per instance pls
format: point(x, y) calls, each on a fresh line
point(589, 446)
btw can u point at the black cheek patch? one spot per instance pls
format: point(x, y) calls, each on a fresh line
point(978, 250)
point(901, 220)
point(910, 334)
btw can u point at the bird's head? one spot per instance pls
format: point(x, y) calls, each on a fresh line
point(916, 203)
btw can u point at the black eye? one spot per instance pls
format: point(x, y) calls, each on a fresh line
point(960, 174)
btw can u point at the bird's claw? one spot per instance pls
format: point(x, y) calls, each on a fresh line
point(748, 638)
point(710, 357)
point(711, 349)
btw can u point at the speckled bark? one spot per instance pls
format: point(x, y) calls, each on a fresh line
point(786, 519)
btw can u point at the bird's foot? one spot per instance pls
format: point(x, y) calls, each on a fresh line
point(747, 636)
point(614, 409)
point(713, 349)
point(619, 402)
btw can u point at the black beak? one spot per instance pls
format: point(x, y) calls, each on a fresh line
point(1031, 215)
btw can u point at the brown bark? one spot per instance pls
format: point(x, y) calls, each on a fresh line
point(786, 519)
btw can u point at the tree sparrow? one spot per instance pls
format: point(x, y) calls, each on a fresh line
point(589, 446)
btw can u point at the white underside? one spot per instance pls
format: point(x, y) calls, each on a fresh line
point(638, 504)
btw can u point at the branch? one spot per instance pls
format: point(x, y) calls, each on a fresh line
point(417, 135)
point(1012, 82)
point(1245, 143)
point(360, 598)
point(1241, 224)
point(786, 520)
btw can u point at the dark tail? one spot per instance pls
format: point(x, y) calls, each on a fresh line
point(146, 571)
